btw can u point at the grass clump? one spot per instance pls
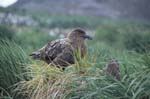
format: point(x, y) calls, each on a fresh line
point(47, 83)
point(50, 82)
point(12, 66)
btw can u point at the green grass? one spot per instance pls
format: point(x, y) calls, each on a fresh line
point(13, 61)
point(63, 21)
point(6, 32)
point(85, 79)
point(135, 74)
point(31, 39)
point(131, 36)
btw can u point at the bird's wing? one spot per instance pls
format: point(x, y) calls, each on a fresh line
point(55, 49)
point(65, 58)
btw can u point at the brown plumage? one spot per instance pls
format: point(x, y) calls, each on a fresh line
point(112, 68)
point(61, 52)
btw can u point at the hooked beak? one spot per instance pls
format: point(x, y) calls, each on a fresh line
point(35, 55)
point(87, 37)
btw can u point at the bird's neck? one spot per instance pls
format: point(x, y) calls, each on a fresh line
point(79, 45)
point(77, 42)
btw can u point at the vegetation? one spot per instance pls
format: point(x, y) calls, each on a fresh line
point(31, 39)
point(63, 21)
point(13, 61)
point(6, 33)
point(127, 42)
point(132, 36)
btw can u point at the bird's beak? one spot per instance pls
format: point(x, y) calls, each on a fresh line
point(35, 55)
point(87, 37)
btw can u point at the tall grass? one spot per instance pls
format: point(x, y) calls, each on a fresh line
point(12, 66)
point(134, 83)
point(86, 79)
point(135, 86)
point(49, 82)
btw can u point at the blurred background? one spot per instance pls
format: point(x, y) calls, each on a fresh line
point(34, 22)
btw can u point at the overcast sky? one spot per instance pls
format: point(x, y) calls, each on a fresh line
point(6, 3)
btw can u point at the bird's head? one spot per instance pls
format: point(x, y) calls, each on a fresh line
point(35, 55)
point(78, 35)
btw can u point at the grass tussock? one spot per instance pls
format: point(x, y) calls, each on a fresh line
point(50, 82)
point(47, 83)
point(12, 66)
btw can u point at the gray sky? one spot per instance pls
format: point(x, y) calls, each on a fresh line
point(6, 3)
